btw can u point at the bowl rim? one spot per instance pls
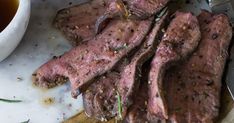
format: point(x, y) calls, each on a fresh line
point(13, 33)
point(17, 11)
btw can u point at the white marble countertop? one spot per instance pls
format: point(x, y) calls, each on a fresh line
point(39, 44)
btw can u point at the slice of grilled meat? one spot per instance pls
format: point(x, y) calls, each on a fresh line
point(137, 9)
point(193, 88)
point(145, 8)
point(78, 22)
point(100, 97)
point(94, 57)
point(137, 112)
point(180, 40)
point(129, 82)
point(100, 100)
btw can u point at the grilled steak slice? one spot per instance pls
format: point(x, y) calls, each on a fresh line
point(194, 87)
point(95, 57)
point(180, 39)
point(129, 82)
point(78, 22)
point(137, 113)
point(100, 98)
point(140, 9)
point(145, 8)
point(100, 101)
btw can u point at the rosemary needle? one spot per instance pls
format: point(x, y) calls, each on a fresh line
point(10, 101)
point(119, 105)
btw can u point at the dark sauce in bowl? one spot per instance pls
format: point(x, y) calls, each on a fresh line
point(8, 9)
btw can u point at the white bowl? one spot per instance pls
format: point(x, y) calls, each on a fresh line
point(13, 33)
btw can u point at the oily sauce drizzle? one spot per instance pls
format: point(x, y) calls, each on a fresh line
point(8, 9)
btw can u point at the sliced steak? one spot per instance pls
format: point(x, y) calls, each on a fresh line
point(137, 113)
point(129, 82)
point(180, 39)
point(145, 8)
point(100, 100)
point(137, 9)
point(194, 87)
point(95, 57)
point(78, 22)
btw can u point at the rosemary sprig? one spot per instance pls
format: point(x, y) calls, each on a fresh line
point(119, 105)
point(25, 121)
point(10, 101)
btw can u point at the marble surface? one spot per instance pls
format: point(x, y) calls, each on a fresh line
point(40, 43)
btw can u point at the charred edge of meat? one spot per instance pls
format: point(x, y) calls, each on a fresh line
point(59, 80)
